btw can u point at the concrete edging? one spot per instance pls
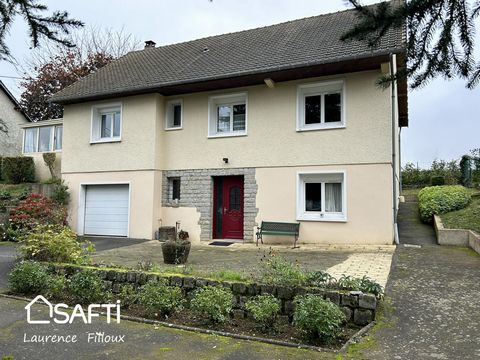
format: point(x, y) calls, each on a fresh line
point(455, 237)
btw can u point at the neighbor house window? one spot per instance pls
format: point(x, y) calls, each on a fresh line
point(106, 123)
point(174, 189)
point(228, 115)
point(174, 115)
point(320, 106)
point(321, 196)
point(42, 139)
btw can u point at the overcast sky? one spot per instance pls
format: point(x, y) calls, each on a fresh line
point(444, 116)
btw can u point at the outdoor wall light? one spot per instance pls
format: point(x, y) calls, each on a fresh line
point(225, 160)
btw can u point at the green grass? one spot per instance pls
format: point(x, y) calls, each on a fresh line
point(228, 275)
point(468, 218)
point(410, 191)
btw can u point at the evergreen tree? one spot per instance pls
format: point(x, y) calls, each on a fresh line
point(55, 27)
point(440, 37)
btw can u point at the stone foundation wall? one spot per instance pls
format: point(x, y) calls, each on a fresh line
point(358, 307)
point(196, 190)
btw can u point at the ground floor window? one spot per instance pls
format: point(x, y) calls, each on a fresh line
point(174, 189)
point(321, 196)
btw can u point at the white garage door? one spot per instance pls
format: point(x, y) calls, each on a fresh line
point(106, 210)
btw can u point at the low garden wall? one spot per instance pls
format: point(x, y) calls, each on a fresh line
point(358, 307)
point(455, 237)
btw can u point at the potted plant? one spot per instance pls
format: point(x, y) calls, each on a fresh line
point(176, 251)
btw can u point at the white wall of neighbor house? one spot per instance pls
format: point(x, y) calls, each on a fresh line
point(144, 199)
point(11, 142)
point(368, 204)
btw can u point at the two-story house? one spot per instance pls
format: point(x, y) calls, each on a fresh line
point(280, 123)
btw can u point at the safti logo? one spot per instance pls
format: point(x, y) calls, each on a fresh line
point(58, 313)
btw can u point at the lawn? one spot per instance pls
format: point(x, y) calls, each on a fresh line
point(468, 218)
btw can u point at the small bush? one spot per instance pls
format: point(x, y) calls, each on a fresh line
point(437, 180)
point(213, 302)
point(159, 297)
point(18, 169)
point(5, 195)
point(56, 287)
point(60, 194)
point(320, 279)
point(28, 277)
point(54, 243)
point(280, 272)
point(318, 317)
point(37, 210)
point(128, 295)
point(264, 309)
point(363, 284)
point(441, 199)
point(86, 287)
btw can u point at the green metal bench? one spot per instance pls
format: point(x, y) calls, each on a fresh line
point(278, 228)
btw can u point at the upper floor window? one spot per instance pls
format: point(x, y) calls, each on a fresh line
point(43, 139)
point(174, 115)
point(106, 123)
point(228, 115)
point(321, 196)
point(321, 106)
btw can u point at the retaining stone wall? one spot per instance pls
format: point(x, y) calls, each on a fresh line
point(196, 190)
point(358, 307)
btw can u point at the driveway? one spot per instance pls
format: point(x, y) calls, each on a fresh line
point(7, 257)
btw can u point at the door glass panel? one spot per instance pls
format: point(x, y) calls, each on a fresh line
point(313, 197)
point(313, 109)
point(235, 197)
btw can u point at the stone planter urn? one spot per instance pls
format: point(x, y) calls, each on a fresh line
point(176, 251)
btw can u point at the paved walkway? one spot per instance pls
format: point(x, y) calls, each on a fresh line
point(434, 294)
point(372, 261)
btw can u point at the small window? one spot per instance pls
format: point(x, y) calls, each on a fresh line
point(106, 123)
point(174, 115)
point(320, 106)
point(45, 139)
point(321, 197)
point(235, 198)
point(228, 115)
point(174, 189)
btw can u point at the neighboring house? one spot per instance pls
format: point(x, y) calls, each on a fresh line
point(43, 137)
point(11, 120)
point(281, 123)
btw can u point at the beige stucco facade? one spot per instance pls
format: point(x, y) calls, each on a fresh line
point(273, 147)
point(42, 172)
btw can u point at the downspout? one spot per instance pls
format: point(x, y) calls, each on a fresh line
point(394, 154)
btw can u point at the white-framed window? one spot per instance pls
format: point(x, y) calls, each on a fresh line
point(321, 106)
point(227, 115)
point(42, 139)
point(174, 115)
point(321, 196)
point(106, 123)
point(174, 186)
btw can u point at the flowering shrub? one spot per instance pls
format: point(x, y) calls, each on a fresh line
point(36, 210)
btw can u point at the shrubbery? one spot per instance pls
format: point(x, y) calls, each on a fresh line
point(264, 309)
point(86, 287)
point(441, 199)
point(160, 297)
point(18, 169)
point(213, 302)
point(55, 243)
point(29, 277)
point(128, 295)
point(37, 210)
point(318, 317)
point(278, 271)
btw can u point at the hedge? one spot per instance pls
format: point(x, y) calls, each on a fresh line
point(1, 173)
point(18, 169)
point(436, 200)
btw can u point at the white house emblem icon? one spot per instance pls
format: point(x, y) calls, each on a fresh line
point(28, 307)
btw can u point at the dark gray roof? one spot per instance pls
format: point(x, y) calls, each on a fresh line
point(299, 43)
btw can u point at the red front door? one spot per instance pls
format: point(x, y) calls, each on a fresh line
point(228, 207)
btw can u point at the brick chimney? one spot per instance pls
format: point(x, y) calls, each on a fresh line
point(150, 44)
